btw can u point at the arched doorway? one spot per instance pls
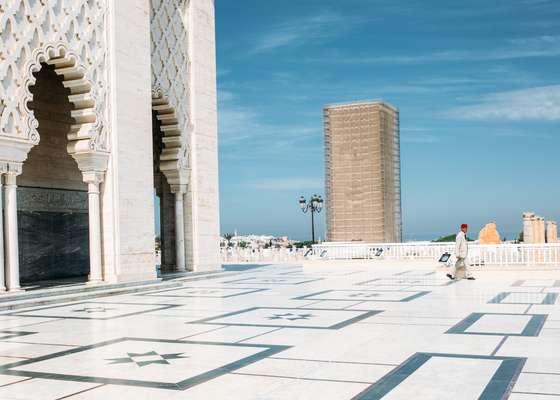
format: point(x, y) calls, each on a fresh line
point(163, 204)
point(52, 196)
point(170, 183)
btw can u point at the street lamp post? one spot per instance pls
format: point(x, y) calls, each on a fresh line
point(315, 205)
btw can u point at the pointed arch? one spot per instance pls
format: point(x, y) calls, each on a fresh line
point(174, 160)
point(87, 132)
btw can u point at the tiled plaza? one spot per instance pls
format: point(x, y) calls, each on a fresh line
point(353, 331)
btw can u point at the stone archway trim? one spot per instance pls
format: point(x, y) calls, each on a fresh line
point(87, 130)
point(174, 155)
point(173, 163)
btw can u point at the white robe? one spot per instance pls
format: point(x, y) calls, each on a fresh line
point(461, 246)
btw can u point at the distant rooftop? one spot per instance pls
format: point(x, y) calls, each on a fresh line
point(362, 102)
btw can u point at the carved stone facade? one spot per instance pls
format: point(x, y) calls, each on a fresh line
point(71, 35)
point(52, 200)
point(85, 76)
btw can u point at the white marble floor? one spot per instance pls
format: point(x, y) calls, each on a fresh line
point(365, 332)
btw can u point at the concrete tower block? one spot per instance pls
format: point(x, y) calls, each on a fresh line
point(539, 230)
point(528, 236)
point(551, 232)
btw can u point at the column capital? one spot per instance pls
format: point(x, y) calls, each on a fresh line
point(10, 168)
point(93, 177)
point(178, 189)
point(95, 161)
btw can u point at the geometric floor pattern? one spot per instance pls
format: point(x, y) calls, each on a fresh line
point(365, 331)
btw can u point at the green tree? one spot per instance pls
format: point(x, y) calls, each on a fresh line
point(307, 243)
point(228, 237)
point(448, 238)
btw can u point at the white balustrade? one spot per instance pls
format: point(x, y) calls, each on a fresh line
point(479, 254)
point(248, 255)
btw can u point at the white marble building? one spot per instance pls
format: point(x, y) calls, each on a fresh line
point(101, 103)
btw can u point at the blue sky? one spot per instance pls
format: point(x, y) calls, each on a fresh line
point(477, 84)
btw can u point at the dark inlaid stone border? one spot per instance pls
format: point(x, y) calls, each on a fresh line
point(169, 292)
point(9, 334)
point(498, 388)
point(415, 294)
point(37, 311)
point(261, 280)
point(549, 298)
point(268, 350)
point(213, 320)
point(533, 327)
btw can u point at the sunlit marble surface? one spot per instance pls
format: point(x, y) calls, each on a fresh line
point(363, 331)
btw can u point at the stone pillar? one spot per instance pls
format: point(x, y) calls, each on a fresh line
point(551, 232)
point(11, 256)
point(167, 219)
point(179, 191)
point(2, 276)
point(541, 230)
point(202, 221)
point(94, 179)
point(528, 227)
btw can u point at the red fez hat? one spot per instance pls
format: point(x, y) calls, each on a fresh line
point(464, 226)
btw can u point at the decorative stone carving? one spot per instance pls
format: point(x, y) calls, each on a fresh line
point(72, 36)
point(170, 83)
point(51, 200)
point(489, 234)
point(174, 159)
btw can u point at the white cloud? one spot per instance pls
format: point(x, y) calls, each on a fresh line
point(541, 46)
point(420, 138)
point(246, 132)
point(302, 30)
point(539, 103)
point(293, 183)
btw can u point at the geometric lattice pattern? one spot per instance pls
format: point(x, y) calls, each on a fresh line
point(75, 34)
point(170, 78)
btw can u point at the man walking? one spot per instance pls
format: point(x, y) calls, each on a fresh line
point(461, 252)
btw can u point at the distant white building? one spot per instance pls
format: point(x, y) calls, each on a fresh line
point(257, 241)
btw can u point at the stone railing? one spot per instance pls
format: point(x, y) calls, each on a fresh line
point(479, 254)
point(239, 255)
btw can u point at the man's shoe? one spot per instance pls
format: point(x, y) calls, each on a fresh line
point(471, 278)
point(450, 277)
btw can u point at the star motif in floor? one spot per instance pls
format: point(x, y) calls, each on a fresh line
point(364, 295)
point(202, 292)
point(291, 317)
point(90, 310)
point(143, 359)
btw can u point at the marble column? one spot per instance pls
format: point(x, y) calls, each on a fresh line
point(541, 230)
point(2, 276)
point(179, 191)
point(551, 232)
point(528, 227)
point(11, 249)
point(94, 179)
